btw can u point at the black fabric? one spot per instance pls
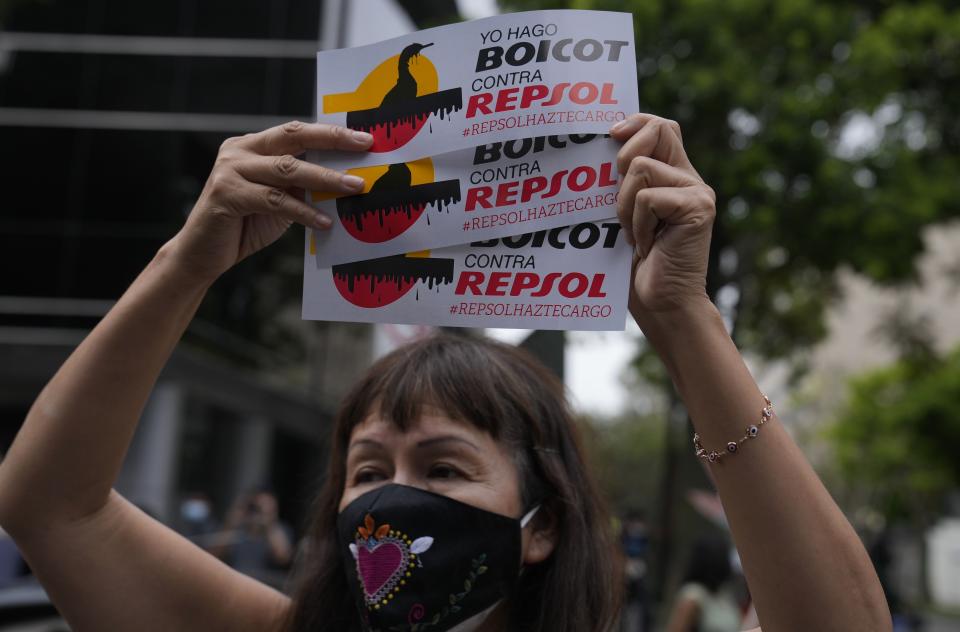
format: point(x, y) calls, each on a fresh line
point(472, 562)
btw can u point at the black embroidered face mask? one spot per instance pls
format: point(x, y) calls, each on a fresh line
point(418, 561)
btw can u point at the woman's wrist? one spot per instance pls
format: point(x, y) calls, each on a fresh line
point(666, 328)
point(681, 334)
point(175, 261)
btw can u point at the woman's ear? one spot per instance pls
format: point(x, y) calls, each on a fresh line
point(540, 536)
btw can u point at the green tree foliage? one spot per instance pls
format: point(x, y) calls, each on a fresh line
point(828, 130)
point(627, 454)
point(897, 437)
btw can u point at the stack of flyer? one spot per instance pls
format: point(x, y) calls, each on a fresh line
point(490, 190)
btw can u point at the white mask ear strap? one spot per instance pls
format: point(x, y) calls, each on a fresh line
point(529, 516)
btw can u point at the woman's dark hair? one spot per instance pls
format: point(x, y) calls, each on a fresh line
point(709, 563)
point(506, 393)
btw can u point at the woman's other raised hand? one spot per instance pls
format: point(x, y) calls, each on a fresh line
point(667, 212)
point(256, 191)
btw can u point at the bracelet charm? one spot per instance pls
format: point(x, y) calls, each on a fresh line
point(752, 431)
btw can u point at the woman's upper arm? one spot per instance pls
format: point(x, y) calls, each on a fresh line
point(120, 569)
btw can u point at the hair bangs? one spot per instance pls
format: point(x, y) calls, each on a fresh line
point(430, 375)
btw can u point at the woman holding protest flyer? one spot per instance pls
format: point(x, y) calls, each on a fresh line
point(457, 496)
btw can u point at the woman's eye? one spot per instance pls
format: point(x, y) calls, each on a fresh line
point(443, 471)
point(367, 476)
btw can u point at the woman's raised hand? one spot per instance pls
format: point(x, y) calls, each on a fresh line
point(256, 191)
point(667, 212)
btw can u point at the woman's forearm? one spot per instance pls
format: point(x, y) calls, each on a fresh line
point(806, 567)
point(68, 453)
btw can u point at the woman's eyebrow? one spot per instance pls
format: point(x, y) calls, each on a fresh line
point(433, 441)
point(365, 443)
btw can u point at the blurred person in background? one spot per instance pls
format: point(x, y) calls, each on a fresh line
point(254, 540)
point(636, 543)
point(457, 495)
point(196, 520)
point(905, 619)
point(11, 564)
point(705, 601)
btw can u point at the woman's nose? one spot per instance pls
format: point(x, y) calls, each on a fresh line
point(405, 476)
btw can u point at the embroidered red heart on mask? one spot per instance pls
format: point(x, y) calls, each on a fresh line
point(380, 565)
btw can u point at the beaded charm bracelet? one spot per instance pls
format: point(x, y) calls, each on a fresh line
point(733, 447)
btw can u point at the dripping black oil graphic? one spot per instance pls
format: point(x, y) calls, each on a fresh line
point(401, 106)
point(379, 282)
point(393, 204)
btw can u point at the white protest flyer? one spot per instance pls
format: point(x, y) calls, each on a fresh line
point(489, 191)
point(538, 73)
point(572, 277)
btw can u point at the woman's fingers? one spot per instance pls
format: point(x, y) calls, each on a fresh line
point(648, 135)
point(267, 200)
point(288, 172)
point(296, 137)
point(651, 209)
point(663, 207)
point(646, 173)
point(258, 173)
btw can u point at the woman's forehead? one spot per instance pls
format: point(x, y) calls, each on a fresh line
point(432, 422)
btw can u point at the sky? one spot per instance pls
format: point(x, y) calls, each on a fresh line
point(473, 9)
point(595, 364)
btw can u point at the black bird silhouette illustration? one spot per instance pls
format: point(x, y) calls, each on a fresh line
point(401, 114)
point(393, 204)
point(397, 177)
point(406, 86)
